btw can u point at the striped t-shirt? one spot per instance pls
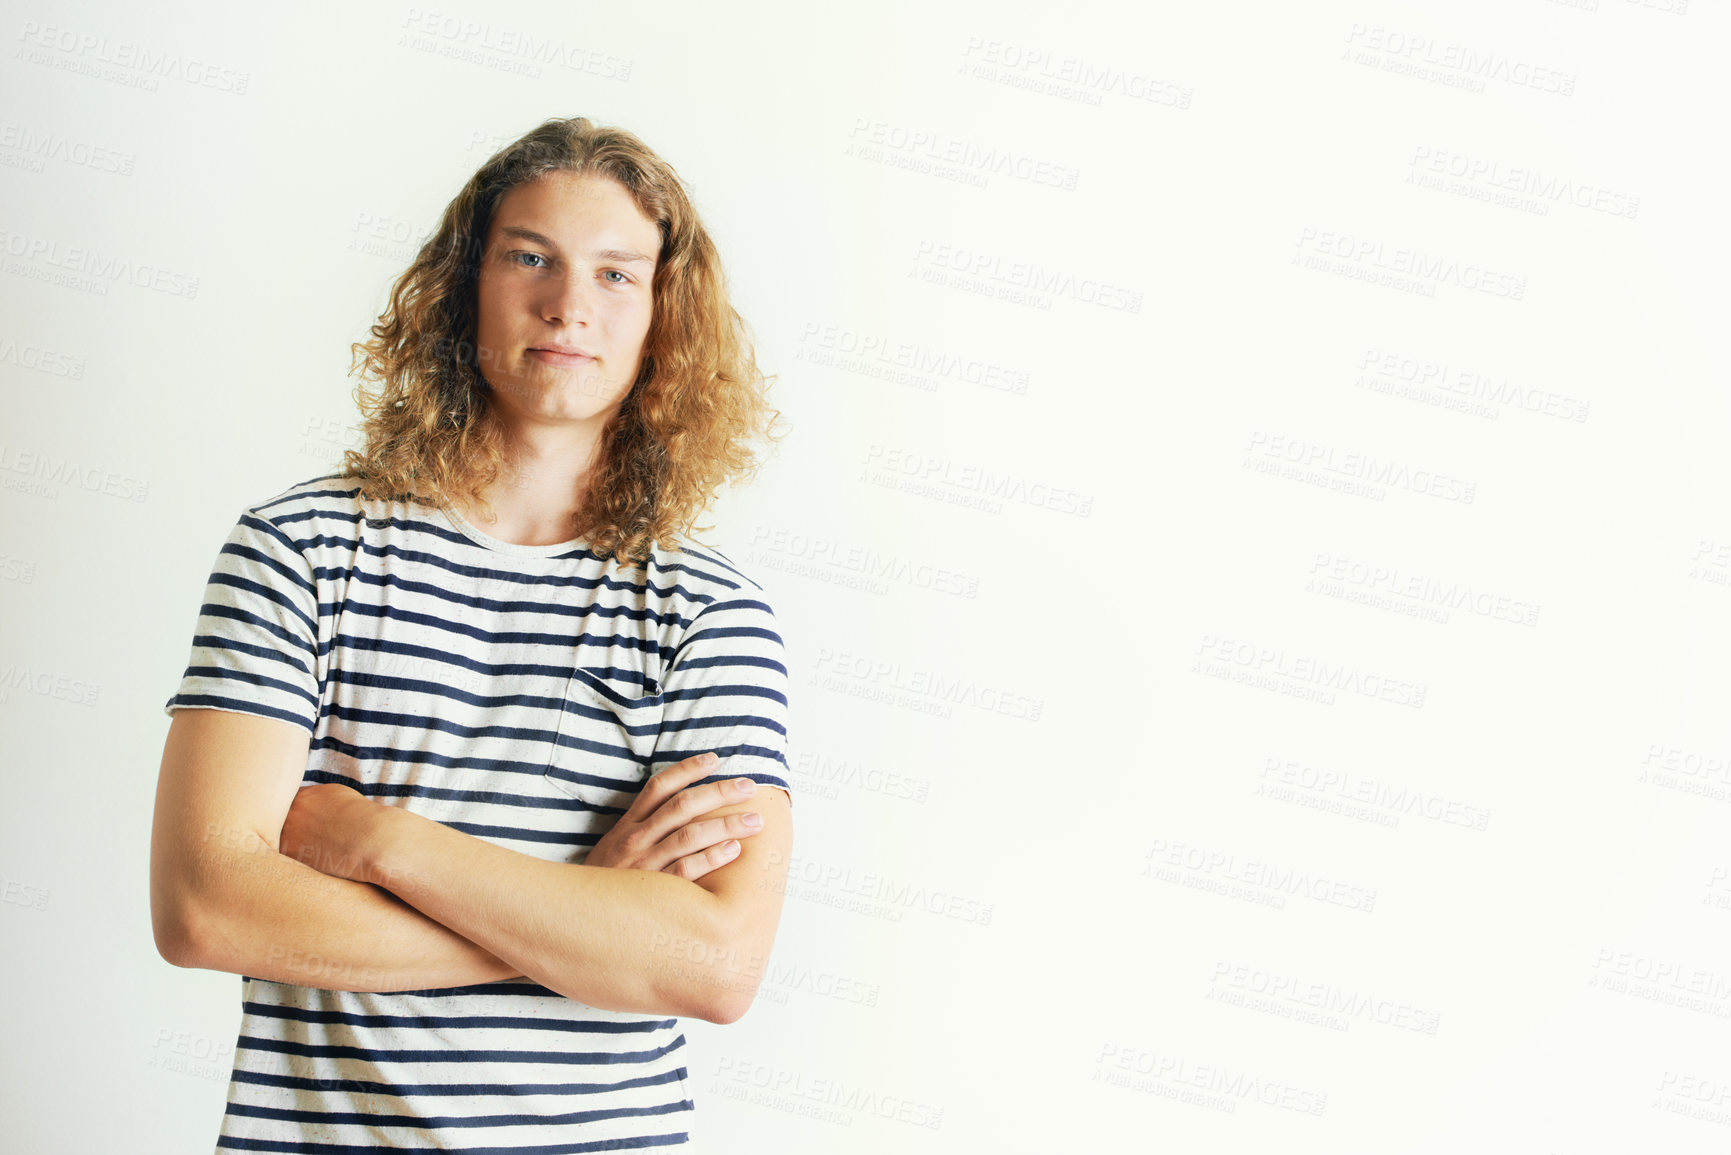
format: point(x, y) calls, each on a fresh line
point(520, 694)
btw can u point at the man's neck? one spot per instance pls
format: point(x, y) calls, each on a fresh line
point(535, 498)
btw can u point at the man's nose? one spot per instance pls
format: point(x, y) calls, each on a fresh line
point(569, 298)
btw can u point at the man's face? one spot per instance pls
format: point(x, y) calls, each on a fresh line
point(569, 264)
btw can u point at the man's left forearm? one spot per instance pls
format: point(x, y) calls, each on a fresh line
point(592, 933)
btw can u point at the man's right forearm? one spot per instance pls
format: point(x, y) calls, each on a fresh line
point(256, 912)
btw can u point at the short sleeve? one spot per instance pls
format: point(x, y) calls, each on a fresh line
point(255, 646)
point(726, 693)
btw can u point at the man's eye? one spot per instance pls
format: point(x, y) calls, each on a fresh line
point(531, 256)
point(623, 279)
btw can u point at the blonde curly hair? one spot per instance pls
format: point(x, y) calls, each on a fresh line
point(684, 429)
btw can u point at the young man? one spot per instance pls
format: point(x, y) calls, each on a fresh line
point(476, 775)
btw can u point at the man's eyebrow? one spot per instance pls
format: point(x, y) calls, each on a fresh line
point(618, 256)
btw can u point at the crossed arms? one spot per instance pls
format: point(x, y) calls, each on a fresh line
point(438, 907)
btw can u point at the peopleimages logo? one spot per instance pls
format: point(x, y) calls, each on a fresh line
point(1272, 666)
point(1324, 997)
point(1424, 57)
point(800, 1090)
point(94, 267)
point(48, 471)
point(915, 687)
point(1544, 188)
point(19, 679)
point(39, 146)
point(805, 552)
point(1371, 257)
point(1175, 861)
point(1024, 275)
point(1351, 469)
point(1210, 1085)
point(98, 56)
point(872, 353)
point(1068, 77)
point(871, 139)
point(517, 49)
point(927, 474)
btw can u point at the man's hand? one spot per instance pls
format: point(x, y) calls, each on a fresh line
point(331, 828)
point(661, 830)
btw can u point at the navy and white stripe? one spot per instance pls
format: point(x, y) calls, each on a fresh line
point(521, 694)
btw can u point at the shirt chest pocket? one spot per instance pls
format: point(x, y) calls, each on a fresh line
point(605, 743)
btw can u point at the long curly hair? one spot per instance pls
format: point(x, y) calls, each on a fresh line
point(685, 428)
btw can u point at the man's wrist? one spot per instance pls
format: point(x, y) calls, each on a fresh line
point(380, 850)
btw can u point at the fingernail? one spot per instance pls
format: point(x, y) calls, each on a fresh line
point(745, 785)
point(752, 820)
point(731, 846)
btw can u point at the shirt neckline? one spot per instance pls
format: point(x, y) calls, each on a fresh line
point(487, 541)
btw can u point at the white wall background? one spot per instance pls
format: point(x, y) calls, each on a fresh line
point(1317, 738)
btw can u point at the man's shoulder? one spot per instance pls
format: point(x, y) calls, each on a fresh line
point(702, 572)
point(310, 508)
point(329, 488)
